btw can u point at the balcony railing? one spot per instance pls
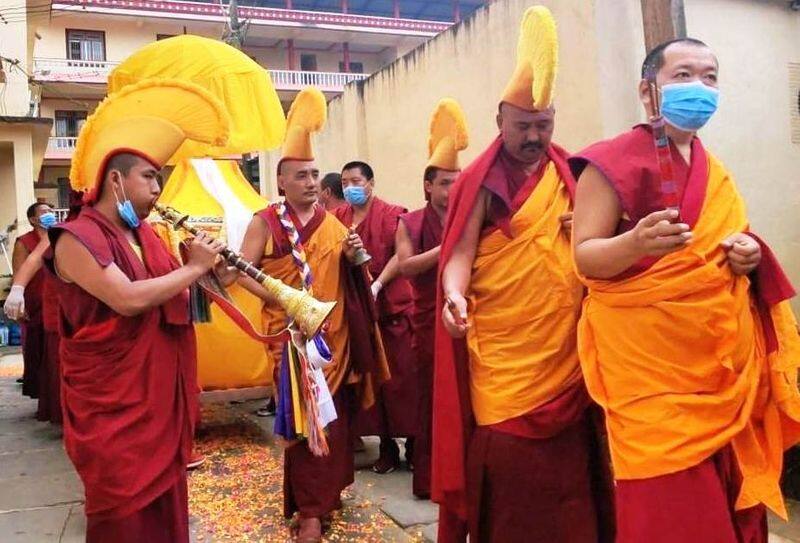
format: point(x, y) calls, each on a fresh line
point(92, 71)
point(61, 214)
point(324, 81)
point(61, 143)
point(69, 70)
point(59, 148)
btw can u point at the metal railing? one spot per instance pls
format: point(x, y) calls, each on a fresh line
point(93, 71)
point(58, 143)
point(330, 81)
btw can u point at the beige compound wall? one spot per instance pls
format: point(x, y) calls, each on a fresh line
point(385, 120)
point(756, 42)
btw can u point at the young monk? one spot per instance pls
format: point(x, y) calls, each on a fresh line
point(24, 302)
point(528, 468)
point(418, 242)
point(685, 338)
point(313, 484)
point(127, 346)
point(375, 221)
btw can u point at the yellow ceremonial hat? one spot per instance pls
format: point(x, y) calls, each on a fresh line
point(448, 135)
point(531, 86)
point(151, 119)
point(306, 116)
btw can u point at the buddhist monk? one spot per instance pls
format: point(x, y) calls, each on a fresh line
point(418, 242)
point(24, 302)
point(48, 377)
point(514, 447)
point(128, 359)
point(330, 194)
point(375, 221)
point(298, 242)
point(685, 338)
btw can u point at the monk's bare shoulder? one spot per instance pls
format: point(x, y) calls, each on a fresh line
point(70, 256)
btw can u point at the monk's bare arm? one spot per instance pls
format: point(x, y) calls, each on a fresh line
point(599, 253)
point(390, 271)
point(457, 273)
point(411, 264)
point(32, 264)
point(129, 298)
point(18, 256)
point(24, 267)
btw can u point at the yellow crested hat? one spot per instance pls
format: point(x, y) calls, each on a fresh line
point(531, 86)
point(150, 119)
point(448, 135)
point(307, 115)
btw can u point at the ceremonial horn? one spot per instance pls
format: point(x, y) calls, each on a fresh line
point(307, 312)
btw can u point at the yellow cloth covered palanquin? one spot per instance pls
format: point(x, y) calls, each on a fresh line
point(226, 356)
point(240, 83)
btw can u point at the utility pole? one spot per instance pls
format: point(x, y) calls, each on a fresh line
point(662, 20)
point(235, 30)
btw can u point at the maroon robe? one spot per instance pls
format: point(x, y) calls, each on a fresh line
point(425, 230)
point(32, 327)
point(129, 392)
point(394, 413)
point(542, 476)
point(696, 503)
point(49, 408)
point(312, 485)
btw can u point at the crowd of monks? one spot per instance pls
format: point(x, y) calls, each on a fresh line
point(568, 358)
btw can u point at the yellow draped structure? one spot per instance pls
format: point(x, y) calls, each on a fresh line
point(240, 83)
point(226, 356)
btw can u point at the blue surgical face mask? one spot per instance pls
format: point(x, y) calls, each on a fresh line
point(126, 211)
point(356, 196)
point(47, 220)
point(688, 106)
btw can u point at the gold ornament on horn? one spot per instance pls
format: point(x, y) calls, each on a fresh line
point(308, 313)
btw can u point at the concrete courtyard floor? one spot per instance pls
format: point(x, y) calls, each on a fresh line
point(234, 497)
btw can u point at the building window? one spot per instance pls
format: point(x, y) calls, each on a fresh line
point(63, 192)
point(160, 37)
point(69, 123)
point(249, 166)
point(308, 62)
point(86, 45)
point(355, 67)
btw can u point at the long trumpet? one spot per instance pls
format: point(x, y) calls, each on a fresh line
point(307, 312)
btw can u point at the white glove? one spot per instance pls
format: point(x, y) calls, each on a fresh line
point(376, 288)
point(15, 303)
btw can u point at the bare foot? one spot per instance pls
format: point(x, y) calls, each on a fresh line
point(309, 530)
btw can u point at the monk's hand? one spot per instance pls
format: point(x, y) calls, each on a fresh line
point(225, 273)
point(744, 253)
point(203, 251)
point(352, 243)
point(657, 234)
point(14, 307)
point(566, 222)
point(454, 315)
